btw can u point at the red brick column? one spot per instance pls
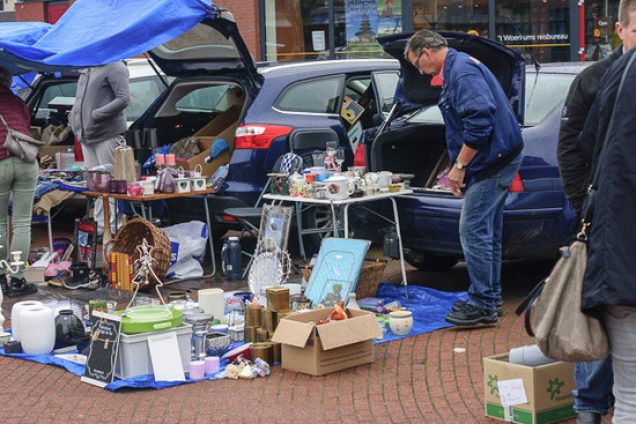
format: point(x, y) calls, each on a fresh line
point(246, 13)
point(32, 11)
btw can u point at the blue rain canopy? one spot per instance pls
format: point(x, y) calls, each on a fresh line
point(97, 32)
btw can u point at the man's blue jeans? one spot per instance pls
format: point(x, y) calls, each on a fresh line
point(480, 232)
point(594, 381)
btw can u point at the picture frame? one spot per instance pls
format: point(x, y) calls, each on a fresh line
point(274, 229)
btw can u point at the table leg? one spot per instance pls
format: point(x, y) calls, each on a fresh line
point(108, 235)
point(399, 234)
point(210, 236)
point(299, 226)
point(334, 217)
point(346, 220)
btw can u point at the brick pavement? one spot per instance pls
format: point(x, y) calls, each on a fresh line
point(416, 380)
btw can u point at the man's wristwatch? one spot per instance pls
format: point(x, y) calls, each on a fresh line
point(460, 165)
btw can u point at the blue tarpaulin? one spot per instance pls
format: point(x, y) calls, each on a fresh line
point(97, 32)
point(429, 306)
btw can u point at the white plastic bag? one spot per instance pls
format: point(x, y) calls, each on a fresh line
point(188, 242)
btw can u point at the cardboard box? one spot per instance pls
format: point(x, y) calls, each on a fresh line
point(223, 126)
point(319, 350)
point(548, 390)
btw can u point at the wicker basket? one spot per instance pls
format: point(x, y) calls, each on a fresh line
point(132, 235)
point(370, 277)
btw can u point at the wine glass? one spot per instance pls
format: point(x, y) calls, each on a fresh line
point(339, 157)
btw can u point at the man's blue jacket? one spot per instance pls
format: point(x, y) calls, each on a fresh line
point(477, 113)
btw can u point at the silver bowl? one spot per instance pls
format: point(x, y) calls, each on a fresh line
point(216, 343)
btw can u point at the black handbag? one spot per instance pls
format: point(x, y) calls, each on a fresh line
point(21, 145)
point(553, 308)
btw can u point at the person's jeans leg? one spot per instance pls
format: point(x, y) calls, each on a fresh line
point(483, 207)
point(26, 178)
point(6, 180)
point(504, 179)
point(620, 323)
point(594, 381)
point(104, 152)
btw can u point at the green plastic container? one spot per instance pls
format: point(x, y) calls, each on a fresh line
point(144, 319)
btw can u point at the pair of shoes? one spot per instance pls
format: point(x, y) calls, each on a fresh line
point(469, 315)
point(3, 284)
point(18, 287)
point(588, 417)
point(460, 304)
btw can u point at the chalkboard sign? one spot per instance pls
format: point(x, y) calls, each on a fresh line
point(102, 357)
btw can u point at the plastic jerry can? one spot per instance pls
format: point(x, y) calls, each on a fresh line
point(231, 259)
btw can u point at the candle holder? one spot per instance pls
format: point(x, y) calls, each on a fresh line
point(16, 264)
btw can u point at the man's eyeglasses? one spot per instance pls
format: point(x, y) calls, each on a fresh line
point(417, 61)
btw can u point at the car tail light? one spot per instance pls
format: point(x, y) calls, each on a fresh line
point(228, 218)
point(359, 155)
point(517, 184)
point(258, 136)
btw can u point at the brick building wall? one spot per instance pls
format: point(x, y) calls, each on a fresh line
point(246, 14)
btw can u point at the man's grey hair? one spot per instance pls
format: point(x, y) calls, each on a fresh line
point(424, 39)
point(625, 7)
point(6, 79)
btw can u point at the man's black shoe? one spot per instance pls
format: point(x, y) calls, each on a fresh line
point(588, 417)
point(77, 284)
point(18, 287)
point(3, 284)
point(471, 315)
point(460, 304)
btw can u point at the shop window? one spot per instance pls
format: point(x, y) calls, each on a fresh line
point(452, 15)
point(600, 21)
point(358, 23)
point(538, 29)
point(313, 96)
point(296, 30)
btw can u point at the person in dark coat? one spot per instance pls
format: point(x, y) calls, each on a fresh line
point(609, 288)
point(593, 379)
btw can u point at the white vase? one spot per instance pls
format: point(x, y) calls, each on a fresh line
point(15, 315)
point(37, 330)
point(212, 302)
point(401, 322)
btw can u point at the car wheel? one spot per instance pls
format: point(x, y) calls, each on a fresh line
point(425, 261)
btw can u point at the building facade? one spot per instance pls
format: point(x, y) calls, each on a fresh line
point(542, 30)
point(291, 30)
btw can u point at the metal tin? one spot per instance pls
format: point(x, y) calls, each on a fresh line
point(301, 302)
point(262, 335)
point(253, 315)
point(277, 357)
point(277, 298)
point(175, 295)
point(265, 351)
point(250, 334)
point(269, 320)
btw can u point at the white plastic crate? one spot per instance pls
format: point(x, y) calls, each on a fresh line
point(133, 358)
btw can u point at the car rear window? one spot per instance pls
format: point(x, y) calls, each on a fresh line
point(313, 96)
point(544, 92)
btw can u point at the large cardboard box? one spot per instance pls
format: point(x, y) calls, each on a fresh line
point(548, 390)
point(223, 126)
point(319, 350)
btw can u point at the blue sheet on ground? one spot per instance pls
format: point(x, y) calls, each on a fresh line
point(428, 306)
point(97, 32)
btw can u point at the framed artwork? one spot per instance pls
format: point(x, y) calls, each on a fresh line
point(274, 229)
